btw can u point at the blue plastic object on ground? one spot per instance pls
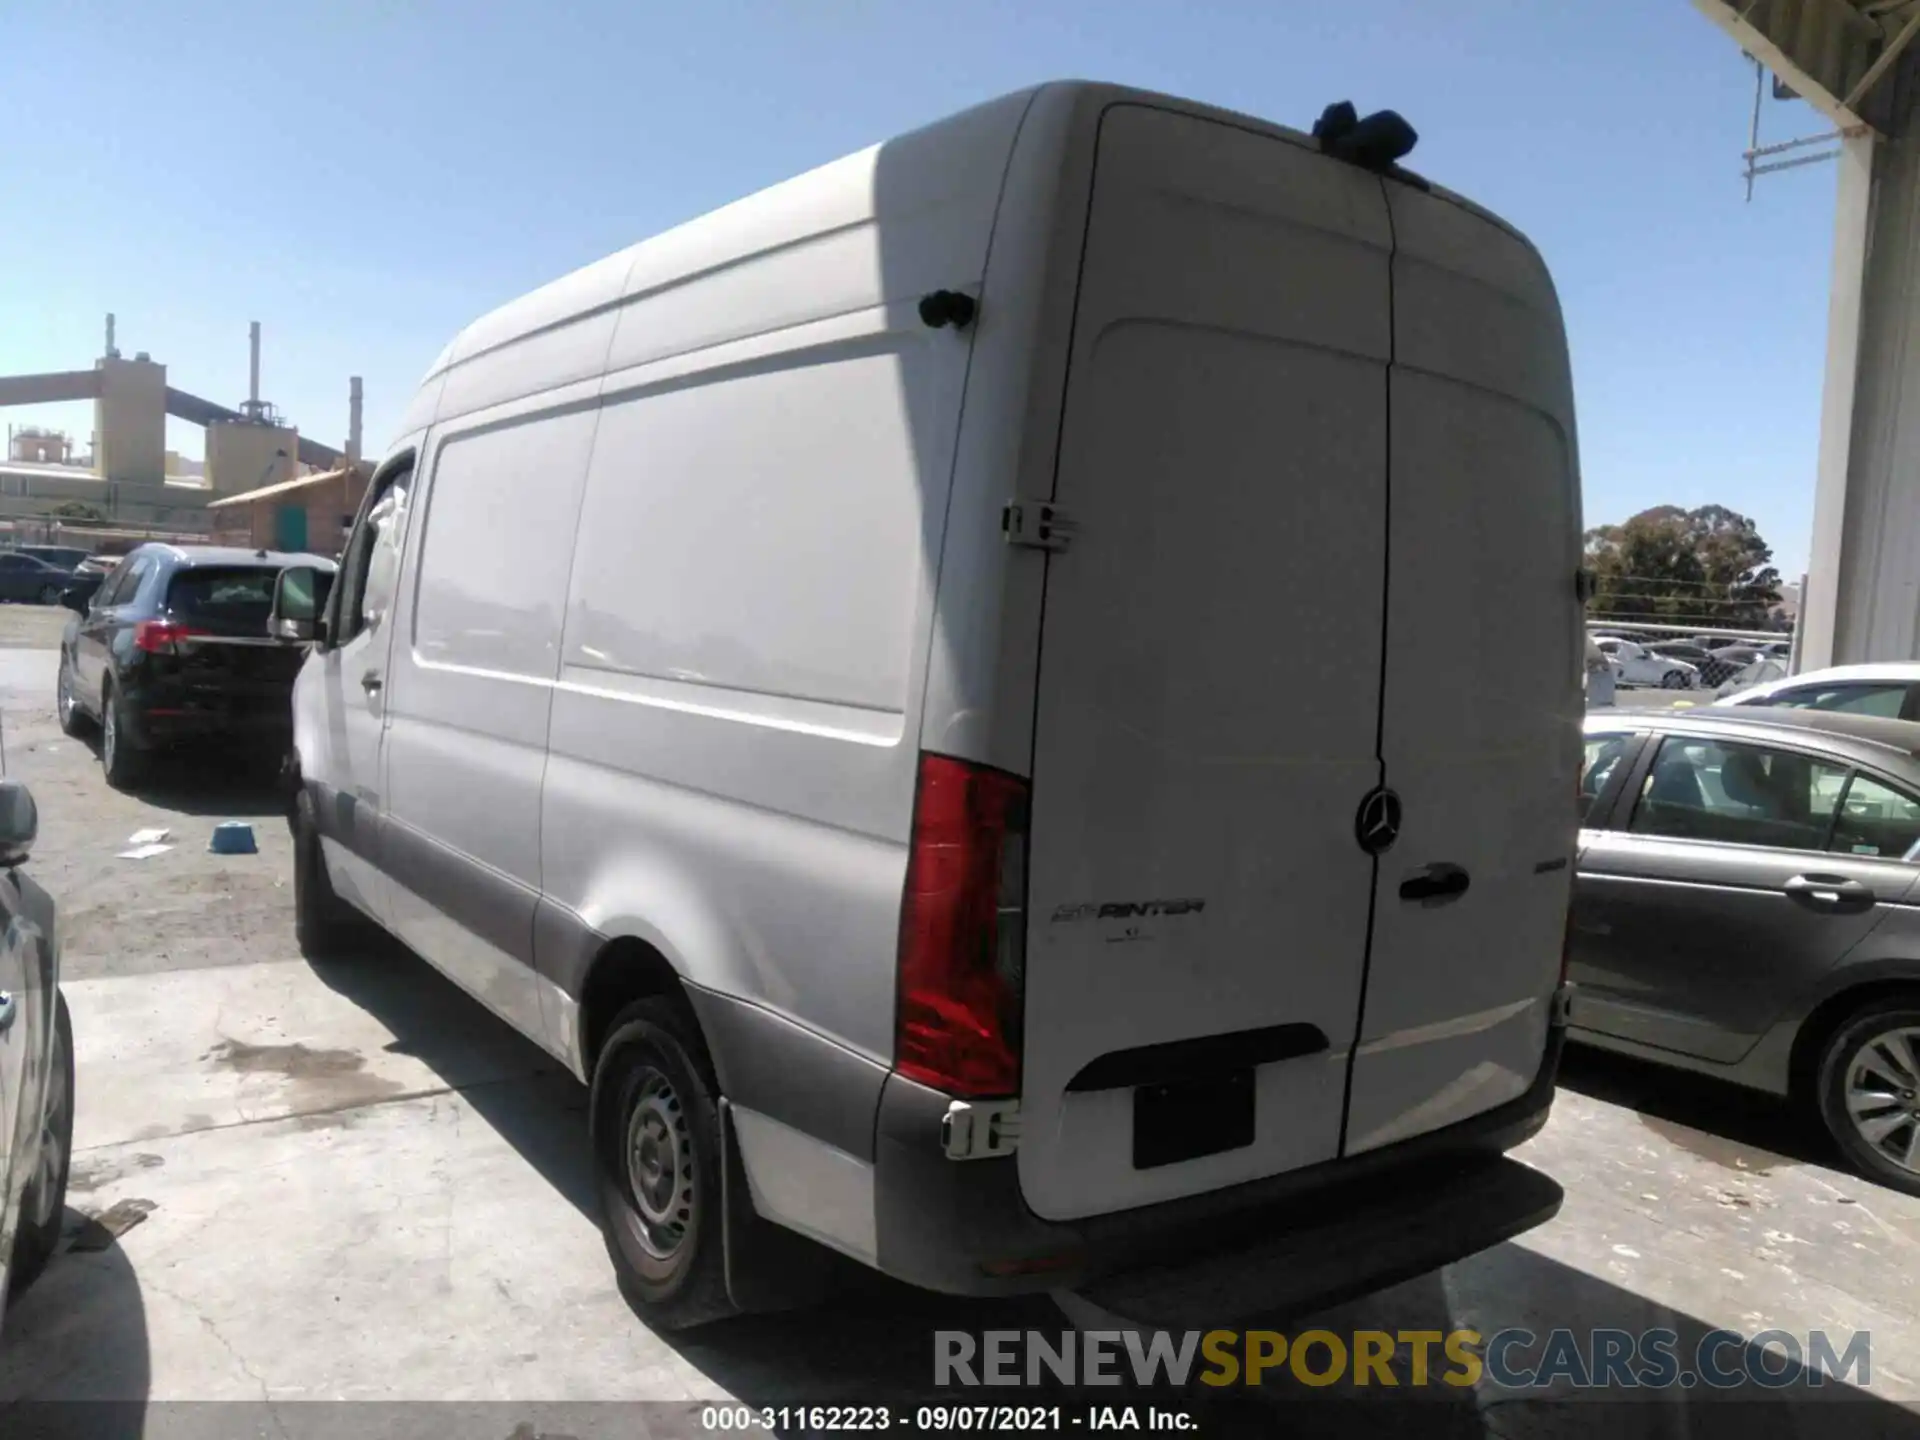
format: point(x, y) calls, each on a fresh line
point(233, 837)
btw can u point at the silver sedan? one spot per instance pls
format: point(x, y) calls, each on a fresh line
point(1747, 905)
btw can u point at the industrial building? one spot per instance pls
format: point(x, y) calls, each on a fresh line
point(128, 478)
point(1857, 62)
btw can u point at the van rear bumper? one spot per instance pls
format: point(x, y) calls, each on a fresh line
point(1292, 1243)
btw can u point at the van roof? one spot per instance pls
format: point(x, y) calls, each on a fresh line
point(832, 197)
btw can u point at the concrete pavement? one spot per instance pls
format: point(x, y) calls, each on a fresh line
point(301, 1184)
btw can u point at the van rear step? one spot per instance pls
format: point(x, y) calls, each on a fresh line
point(1324, 1254)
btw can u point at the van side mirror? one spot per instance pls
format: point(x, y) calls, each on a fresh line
point(79, 598)
point(19, 823)
point(299, 595)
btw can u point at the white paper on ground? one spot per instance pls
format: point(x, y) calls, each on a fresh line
point(143, 852)
point(148, 837)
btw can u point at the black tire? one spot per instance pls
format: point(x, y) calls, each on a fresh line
point(1859, 1060)
point(122, 764)
point(43, 1203)
point(323, 923)
point(73, 720)
point(1673, 680)
point(49, 594)
point(655, 1099)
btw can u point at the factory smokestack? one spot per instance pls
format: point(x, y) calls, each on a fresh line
point(112, 354)
point(353, 420)
point(253, 366)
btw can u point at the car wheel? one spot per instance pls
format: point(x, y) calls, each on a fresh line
point(43, 1203)
point(1869, 1092)
point(49, 594)
point(1673, 680)
point(120, 761)
point(323, 923)
point(654, 1119)
point(73, 720)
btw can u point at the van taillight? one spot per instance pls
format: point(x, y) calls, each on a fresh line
point(963, 931)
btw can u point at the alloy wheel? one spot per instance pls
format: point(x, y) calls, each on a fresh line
point(54, 1130)
point(1883, 1095)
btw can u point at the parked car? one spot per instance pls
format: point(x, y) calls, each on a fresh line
point(1710, 666)
point(1747, 905)
point(745, 770)
point(1640, 666)
point(1890, 689)
point(29, 580)
point(61, 557)
point(98, 563)
point(173, 646)
point(36, 1058)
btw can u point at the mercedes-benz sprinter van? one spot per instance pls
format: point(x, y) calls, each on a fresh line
point(1011, 704)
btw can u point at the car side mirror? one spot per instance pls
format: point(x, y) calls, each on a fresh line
point(78, 598)
point(19, 823)
point(299, 594)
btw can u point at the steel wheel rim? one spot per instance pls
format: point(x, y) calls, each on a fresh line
point(109, 735)
point(660, 1171)
point(53, 1144)
point(1883, 1095)
point(63, 693)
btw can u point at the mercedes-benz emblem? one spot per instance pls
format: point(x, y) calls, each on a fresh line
point(1377, 825)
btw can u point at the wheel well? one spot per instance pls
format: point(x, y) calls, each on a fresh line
point(1828, 1016)
point(624, 971)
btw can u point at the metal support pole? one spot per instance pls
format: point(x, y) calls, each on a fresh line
point(1820, 599)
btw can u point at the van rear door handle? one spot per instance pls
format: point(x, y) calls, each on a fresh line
point(1829, 892)
point(1438, 884)
point(370, 682)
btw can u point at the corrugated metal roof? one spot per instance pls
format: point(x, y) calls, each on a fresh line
point(282, 487)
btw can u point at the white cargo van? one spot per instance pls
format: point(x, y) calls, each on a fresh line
point(1011, 704)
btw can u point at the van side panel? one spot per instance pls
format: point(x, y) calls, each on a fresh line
point(1481, 716)
point(982, 666)
point(733, 745)
point(1210, 661)
point(468, 688)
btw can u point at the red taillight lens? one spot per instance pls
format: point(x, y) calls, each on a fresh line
point(157, 637)
point(963, 931)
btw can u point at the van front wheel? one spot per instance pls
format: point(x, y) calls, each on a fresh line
point(323, 923)
point(655, 1124)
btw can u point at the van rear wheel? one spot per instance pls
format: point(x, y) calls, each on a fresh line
point(655, 1126)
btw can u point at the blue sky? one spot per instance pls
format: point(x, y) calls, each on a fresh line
point(365, 176)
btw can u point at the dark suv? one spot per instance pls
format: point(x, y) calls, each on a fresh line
point(173, 646)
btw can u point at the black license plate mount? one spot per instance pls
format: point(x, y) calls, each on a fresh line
point(1189, 1119)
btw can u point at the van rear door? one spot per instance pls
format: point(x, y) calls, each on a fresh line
point(1480, 726)
point(1209, 688)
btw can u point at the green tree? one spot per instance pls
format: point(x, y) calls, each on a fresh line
point(77, 510)
point(1705, 567)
